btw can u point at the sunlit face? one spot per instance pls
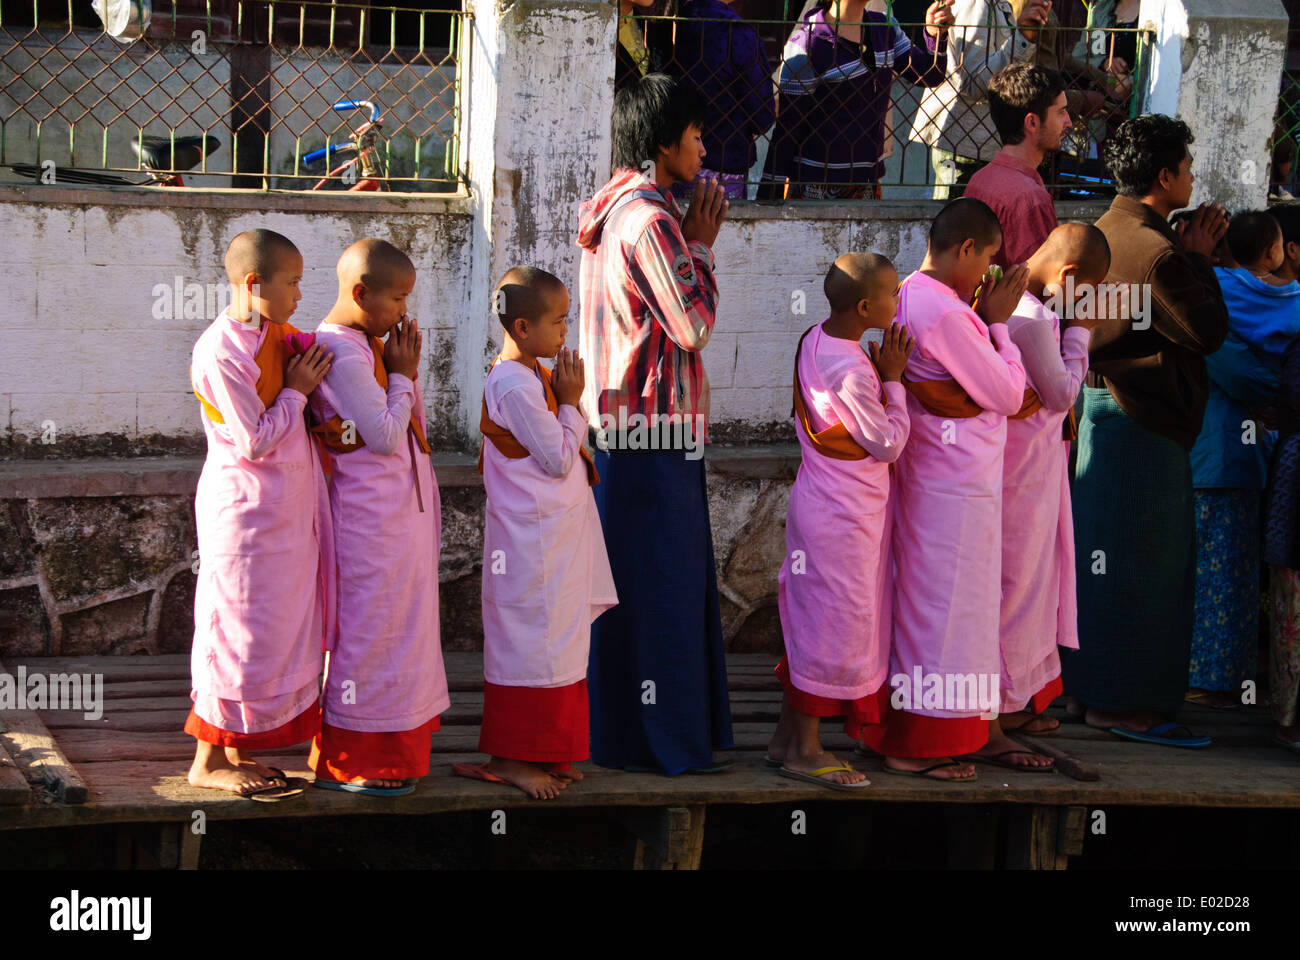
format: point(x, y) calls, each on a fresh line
point(1054, 125)
point(683, 160)
point(552, 327)
point(275, 296)
point(972, 264)
point(882, 308)
point(386, 308)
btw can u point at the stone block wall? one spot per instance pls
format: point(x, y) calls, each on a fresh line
point(101, 556)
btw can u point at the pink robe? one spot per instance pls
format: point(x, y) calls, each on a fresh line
point(385, 672)
point(834, 588)
point(1039, 609)
point(948, 512)
point(262, 603)
point(546, 575)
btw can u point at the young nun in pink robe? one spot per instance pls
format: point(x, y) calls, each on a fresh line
point(835, 584)
point(546, 575)
point(261, 603)
point(963, 380)
point(385, 685)
point(1039, 611)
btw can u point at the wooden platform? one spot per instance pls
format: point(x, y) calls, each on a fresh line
point(131, 764)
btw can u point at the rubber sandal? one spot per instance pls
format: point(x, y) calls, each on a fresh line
point(863, 751)
point(769, 762)
point(273, 794)
point(926, 771)
point(1161, 734)
point(718, 767)
point(293, 783)
point(365, 791)
point(815, 776)
point(997, 761)
point(1292, 745)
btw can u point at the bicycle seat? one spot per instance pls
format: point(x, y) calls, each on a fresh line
point(156, 152)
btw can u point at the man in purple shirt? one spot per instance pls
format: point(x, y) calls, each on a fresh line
point(1027, 105)
point(837, 71)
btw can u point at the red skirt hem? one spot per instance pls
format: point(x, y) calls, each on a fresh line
point(339, 754)
point(536, 724)
point(858, 713)
point(903, 734)
point(1044, 697)
point(298, 730)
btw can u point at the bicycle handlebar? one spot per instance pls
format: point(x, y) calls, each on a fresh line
point(358, 105)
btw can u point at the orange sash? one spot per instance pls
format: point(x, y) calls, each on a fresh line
point(330, 433)
point(1033, 403)
point(509, 446)
point(271, 357)
point(835, 441)
point(943, 398)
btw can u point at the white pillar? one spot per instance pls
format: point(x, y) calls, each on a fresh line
point(537, 104)
point(1217, 66)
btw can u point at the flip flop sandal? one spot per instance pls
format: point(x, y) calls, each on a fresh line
point(297, 783)
point(365, 791)
point(1292, 745)
point(862, 751)
point(273, 794)
point(718, 767)
point(926, 771)
point(997, 761)
point(1161, 734)
point(769, 762)
point(815, 776)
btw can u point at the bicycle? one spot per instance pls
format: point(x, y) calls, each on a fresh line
point(365, 146)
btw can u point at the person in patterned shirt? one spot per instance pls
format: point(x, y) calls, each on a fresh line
point(657, 679)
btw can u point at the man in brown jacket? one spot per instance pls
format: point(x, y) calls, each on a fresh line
point(1142, 409)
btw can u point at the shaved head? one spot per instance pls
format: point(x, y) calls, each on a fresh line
point(261, 252)
point(376, 263)
point(523, 292)
point(965, 218)
point(1078, 243)
point(854, 277)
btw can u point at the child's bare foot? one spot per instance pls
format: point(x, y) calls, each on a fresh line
point(1007, 750)
point(1141, 722)
point(563, 771)
point(1025, 721)
point(213, 771)
point(528, 777)
point(945, 767)
point(239, 758)
point(780, 742)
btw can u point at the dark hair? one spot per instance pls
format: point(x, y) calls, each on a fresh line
point(1287, 216)
point(964, 219)
point(1018, 90)
point(652, 112)
point(1142, 147)
point(1250, 234)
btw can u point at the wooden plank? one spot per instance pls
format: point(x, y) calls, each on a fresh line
point(1032, 839)
point(37, 753)
point(1066, 762)
point(13, 784)
point(1073, 824)
point(668, 838)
